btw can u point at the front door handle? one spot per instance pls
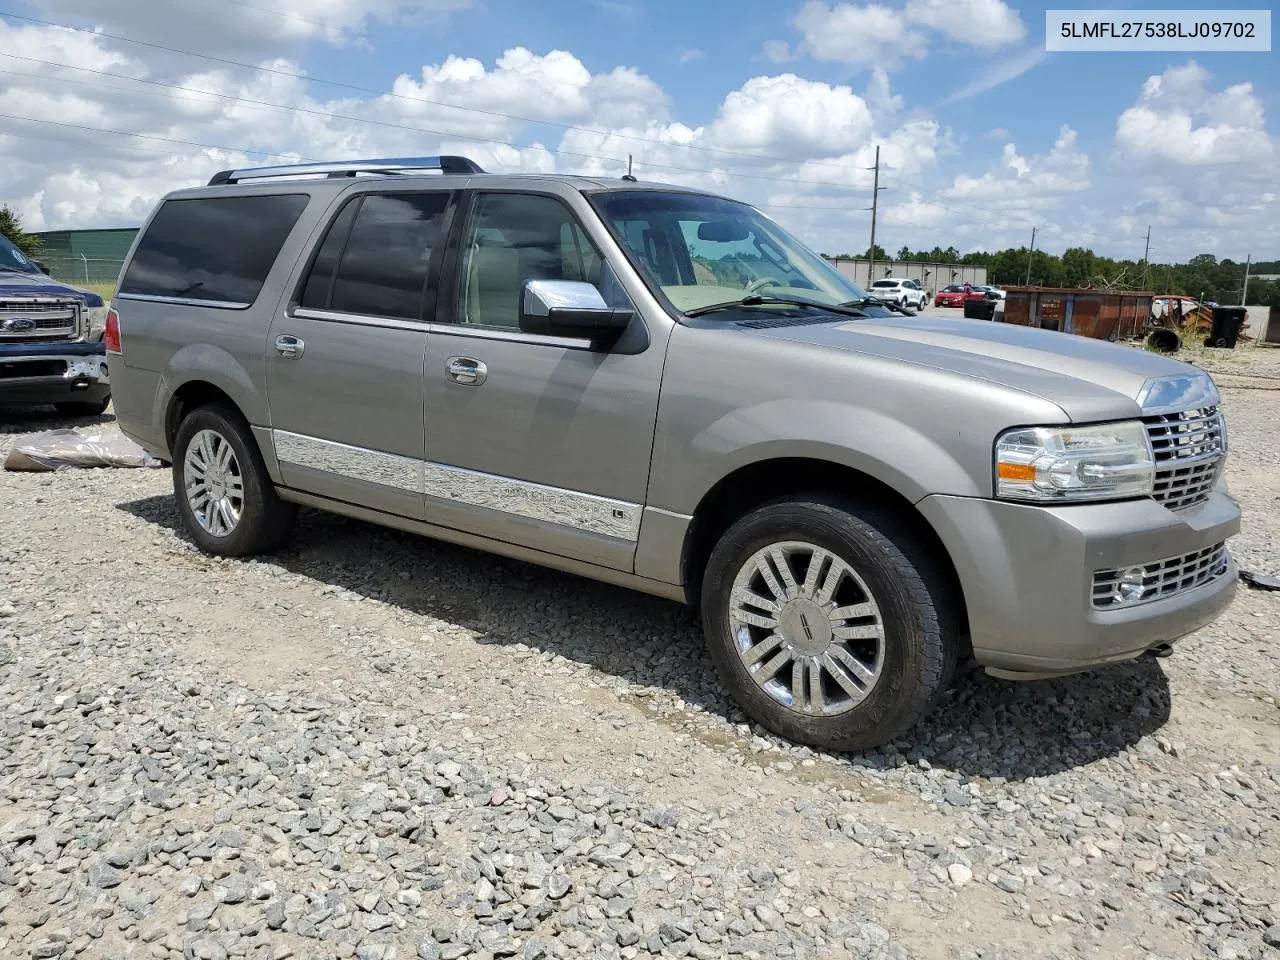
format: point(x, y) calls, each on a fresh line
point(466, 371)
point(289, 347)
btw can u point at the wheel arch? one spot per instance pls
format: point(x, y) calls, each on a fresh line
point(765, 481)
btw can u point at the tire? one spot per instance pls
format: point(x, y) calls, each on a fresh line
point(911, 605)
point(256, 519)
point(75, 408)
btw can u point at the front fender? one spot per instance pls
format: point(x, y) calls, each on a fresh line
point(870, 441)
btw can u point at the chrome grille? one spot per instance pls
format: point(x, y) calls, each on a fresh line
point(1161, 579)
point(53, 319)
point(1188, 449)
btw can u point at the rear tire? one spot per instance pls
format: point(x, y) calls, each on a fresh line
point(852, 653)
point(76, 408)
point(227, 500)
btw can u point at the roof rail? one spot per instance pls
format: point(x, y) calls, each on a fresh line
point(349, 168)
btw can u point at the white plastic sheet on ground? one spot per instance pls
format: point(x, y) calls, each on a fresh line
point(102, 446)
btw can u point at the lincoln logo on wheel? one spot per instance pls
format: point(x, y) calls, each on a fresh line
point(19, 325)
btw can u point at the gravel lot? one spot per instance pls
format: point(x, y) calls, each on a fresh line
point(377, 746)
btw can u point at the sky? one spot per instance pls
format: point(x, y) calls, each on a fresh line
point(105, 105)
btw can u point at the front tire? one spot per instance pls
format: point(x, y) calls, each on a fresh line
point(826, 622)
point(227, 500)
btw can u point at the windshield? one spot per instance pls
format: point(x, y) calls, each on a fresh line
point(13, 259)
point(701, 250)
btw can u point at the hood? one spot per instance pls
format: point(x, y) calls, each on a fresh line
point(1090, 380)
point(39, 285)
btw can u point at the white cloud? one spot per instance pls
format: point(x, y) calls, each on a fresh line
point(858, 35)
point(1029, 182)
point(248, 27)
point(997, 133)
point(689, 54)
point(887, 35)
point(997, 73)
point(1178, 121)
point(986, 24)
point(779, 51)
point(1201, 163)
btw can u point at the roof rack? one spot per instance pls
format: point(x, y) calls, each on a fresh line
point(349, 168)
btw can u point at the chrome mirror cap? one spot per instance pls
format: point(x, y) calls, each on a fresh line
point(543, 296)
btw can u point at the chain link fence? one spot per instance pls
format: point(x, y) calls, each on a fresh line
point(83, 270)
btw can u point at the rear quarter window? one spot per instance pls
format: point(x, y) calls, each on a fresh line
point(217, 249)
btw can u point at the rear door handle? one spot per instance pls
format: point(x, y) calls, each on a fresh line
point(289, 347)
point(466, 371)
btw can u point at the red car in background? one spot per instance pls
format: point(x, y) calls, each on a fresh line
point(956, 294)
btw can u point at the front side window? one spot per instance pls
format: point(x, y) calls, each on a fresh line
point(374, 259)
point(13, 259)
point(700, 250)
point(218, 249)
point(511, 238)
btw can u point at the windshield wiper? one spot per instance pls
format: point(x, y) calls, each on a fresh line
point(757, 299)
point(877, 302)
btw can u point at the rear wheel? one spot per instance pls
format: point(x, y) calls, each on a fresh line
point(227, 500)
point(827, 624)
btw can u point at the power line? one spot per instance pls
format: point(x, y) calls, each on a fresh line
point(147, 136)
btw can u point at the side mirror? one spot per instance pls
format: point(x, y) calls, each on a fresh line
point(43, 269)
point(570, 308)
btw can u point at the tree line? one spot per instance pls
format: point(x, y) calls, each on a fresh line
point(1203, 276)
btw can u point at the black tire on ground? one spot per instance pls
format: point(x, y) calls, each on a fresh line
point(917, 607)
point(76, 408)
point(265, 520)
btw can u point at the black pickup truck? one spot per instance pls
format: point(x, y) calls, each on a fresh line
point(51, 349)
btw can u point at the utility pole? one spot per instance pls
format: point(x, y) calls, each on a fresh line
point(1030, 254)
point(1244, 294)
point(875, 199)
point(1145, 262)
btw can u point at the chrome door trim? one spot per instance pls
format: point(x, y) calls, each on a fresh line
point(574, 509)
point(344, 460)
point(185, 301)
point(534, 501)
point(358, 319)
point(508, 336)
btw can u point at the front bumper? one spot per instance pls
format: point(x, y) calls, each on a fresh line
point(1027, 575)
point(37, 373)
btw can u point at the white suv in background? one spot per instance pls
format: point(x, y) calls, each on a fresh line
point(903, 292)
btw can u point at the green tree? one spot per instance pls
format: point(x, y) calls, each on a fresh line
point(11, 227)
point(881, 253)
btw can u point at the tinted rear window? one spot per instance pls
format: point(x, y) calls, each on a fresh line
point(377, 264)
point(219, 249)
point(885, 283)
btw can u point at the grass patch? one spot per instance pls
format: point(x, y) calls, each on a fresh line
point(104, 290)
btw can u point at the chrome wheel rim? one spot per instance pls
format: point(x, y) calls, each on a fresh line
point(214, 483)
point(807, 628)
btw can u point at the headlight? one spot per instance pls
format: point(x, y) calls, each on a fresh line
point(97, 317)
point(1104, 462)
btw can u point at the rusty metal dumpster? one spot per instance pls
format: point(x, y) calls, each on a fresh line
point(1102, 314)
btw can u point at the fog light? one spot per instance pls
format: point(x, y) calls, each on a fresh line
point(1130, 587)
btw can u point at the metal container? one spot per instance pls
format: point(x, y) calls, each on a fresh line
point(1101, 314)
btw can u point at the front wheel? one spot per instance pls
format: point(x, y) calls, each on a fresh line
point(826, 622)
point(227, 500)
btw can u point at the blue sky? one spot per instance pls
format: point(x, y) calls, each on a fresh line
point(983, 135)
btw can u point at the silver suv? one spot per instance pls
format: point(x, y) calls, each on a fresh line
point(663, 389)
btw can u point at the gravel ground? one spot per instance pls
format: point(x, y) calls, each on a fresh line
point(377, 746)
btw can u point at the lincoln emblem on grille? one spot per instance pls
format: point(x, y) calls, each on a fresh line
point(19, 325)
